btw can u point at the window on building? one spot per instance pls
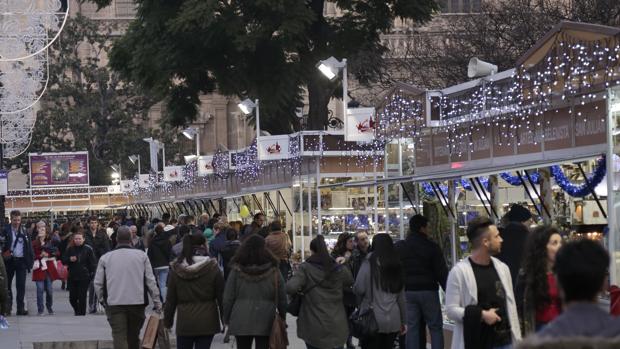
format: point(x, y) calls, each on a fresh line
point(125, 8)
point(460, 6)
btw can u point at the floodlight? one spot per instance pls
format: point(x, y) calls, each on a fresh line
point(330, 67)
point(134, 158)
point(190, 132)
point(247, 106)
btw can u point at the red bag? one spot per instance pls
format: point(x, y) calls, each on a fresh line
point(62, 271)
point(614, 300)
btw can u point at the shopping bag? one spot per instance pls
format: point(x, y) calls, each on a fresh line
point(150, 333)
point(62, 271)
point(163, 337)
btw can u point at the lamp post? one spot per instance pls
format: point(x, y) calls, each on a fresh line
point(192, 133)
point(330, 68)
point(155, 145)
point(246, 107)
point(134, 159)
point(117, 175)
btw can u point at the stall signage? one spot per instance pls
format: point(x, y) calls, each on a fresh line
point(173, 173)
point(558, 134)
point(360, 125)
point(4, 182)
point(205, 165)
point(273, 147)
point(58, 169)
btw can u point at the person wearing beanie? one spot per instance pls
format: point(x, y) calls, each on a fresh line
point(514, 233)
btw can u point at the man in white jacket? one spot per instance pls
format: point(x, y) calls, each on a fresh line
point(479, 294)
point(124, 276)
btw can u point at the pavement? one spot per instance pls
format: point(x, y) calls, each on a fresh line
point(66, 331)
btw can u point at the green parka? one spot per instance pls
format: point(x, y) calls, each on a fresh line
point(195, 292)
point(322, 320)
point(250, 299)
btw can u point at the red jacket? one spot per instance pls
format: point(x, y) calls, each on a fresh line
point(49, 247)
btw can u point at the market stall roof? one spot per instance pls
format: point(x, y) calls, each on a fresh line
point(565, 29)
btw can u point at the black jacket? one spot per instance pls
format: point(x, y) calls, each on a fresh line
point(7, 236)
point(100, 243)
point(160, 250)
point(423, 262)
point(514, 235)
point(227, 254)
point(84, 267)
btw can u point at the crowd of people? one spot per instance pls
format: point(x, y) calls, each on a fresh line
point(217, 276)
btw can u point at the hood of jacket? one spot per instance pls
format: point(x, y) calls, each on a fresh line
point(202, 265)
point(255, 272)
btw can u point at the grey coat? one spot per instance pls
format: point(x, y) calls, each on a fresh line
point(389, 308)
point(249, 299)
point(322, 320)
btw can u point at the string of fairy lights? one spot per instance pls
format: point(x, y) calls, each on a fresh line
point(516, 106)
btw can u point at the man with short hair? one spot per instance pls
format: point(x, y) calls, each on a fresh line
point(362, 245)
point(204, 221)
point(581, 269)
point(165, 218)
point(98, 240)
point(19, 258)
point(219, 240)
point(479, 293)
point(425, 270)
point(81, 263)
point(120, 282)
point(136, 241)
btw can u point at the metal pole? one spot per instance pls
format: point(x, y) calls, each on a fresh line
point(401, 213)
point(2, 197)
point(294, 223)
point(318, 196)
point(139, 166)
point(257, 120)
point(345, 87)
point(163, 154)
point(309, 208)
point(611, 195)
point(197, 143)
point(386, 187)
point(301, 218)
point(375, 198)
point(453, 219)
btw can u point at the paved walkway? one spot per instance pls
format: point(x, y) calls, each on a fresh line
point(75, 332)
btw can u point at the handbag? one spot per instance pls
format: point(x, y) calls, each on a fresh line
point(155, 332)
point(62, 271)
point(278, 339)
point(294, 305)
point(363, 322)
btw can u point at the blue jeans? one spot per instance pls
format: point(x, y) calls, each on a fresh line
point(162, 278)
point(424, 305)
point(194, 342)
point(44, 286)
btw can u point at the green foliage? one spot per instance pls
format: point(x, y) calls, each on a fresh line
point(88, 107)
point(264, 49)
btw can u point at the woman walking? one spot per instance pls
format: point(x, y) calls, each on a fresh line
point(342, 253)
point(160, 255)
point(322, 321)
point(380, 285)
point(44, 270)
point(195, 290)
point(538, 298)
point(249, 299)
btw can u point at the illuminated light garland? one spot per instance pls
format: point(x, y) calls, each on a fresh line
point(428, 189)
point(466, 184)
point(515, 181)
point(583, 189)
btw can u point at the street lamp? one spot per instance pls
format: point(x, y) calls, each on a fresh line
point(192, 133)
point(330, 68)
point(246, 107)
point(134, 159)
point(190, 158)
point(116, 175)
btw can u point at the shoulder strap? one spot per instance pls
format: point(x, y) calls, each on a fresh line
point(276, 273)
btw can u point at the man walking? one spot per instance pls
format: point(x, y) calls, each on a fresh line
point(18, 257)
point(120, 282)
point(99, 241)
point(362, 245)
point(80, 261)
point(479, 295)
point(425, 270)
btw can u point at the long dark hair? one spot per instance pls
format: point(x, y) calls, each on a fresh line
point(341, 245)
point(319, 249)
point(385, 264)
point(191, 243)
point(535, 266)
point(253, 252)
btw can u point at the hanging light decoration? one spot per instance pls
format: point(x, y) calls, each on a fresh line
point(583, 189)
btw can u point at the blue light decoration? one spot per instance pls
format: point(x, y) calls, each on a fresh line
point(466, 184)
point(583, 189)
point(515, 181)
point(428, 189)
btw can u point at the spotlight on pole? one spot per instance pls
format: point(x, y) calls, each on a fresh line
point(330, 67)
point(190, 158)
point(190, 132)
point(247, 106)
point(134, 158)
